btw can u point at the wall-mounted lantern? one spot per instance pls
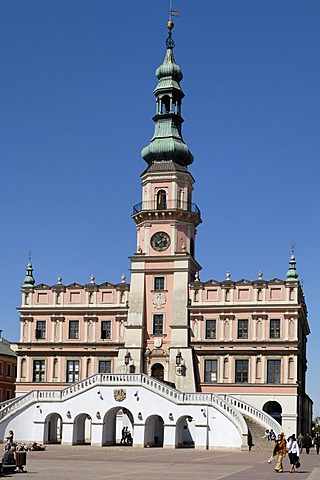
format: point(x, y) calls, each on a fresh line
point(180, 366)
point(127, 358)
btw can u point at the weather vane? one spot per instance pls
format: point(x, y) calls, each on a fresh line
point(293, 247)
point(30, 255)
point(170, 25)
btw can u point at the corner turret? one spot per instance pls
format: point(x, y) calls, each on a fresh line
point(29, 281)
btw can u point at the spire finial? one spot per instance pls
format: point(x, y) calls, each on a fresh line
point(172, 13)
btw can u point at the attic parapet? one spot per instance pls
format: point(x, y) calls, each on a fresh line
point(44, 296)
point(243, 292)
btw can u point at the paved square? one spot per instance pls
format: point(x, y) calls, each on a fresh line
point(86, 462)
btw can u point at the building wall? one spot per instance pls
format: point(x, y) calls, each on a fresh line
point(8, 368)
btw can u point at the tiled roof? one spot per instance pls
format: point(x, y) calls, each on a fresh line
point(5, 348)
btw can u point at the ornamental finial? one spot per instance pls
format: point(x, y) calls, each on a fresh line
point(172, 13)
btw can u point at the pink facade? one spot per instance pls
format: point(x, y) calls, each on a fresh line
point(243, 338)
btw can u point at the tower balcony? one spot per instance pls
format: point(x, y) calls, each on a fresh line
point(172, 208)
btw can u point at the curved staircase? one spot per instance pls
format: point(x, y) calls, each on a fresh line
point(255, 437)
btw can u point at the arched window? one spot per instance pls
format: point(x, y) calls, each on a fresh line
point(161, 200)
point(165, 104)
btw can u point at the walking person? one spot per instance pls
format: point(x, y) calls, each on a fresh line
point(317, 442)
point(280, 449)
point(307, 442)
point(293, 452)
point(300, 442)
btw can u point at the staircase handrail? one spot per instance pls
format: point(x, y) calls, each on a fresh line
point(260, 416)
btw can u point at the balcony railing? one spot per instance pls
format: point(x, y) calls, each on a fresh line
point(168, 205)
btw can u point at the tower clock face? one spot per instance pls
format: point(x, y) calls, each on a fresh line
point(160, 241)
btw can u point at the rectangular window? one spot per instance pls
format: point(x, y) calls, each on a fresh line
point(39, 370)
point(211, 371)
point(72, 371)
point(104, 366)
point(274, 371)
point(158, 283)
point(243, 328)
point(274, 328)
point(8, 394)
point(8, 369)
point(211, 329)
point(106, 329)
point(242, 368)
point(40, 329)
point(1, 368)
point(74, 329)
point(157, 324)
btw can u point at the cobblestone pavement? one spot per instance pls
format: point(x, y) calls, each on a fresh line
point(86, 462)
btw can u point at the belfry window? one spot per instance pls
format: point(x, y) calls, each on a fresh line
point(161, 200)
point(165, 104)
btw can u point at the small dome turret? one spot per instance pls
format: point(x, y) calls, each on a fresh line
point(29, 281)
point(292, 274)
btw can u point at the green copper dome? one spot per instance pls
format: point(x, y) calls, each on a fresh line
point(29, 281)
point(167, 143)
point(169, 68)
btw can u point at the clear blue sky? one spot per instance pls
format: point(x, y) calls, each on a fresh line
point(76, 105)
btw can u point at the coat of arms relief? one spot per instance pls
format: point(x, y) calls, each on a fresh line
point(159, 300)
point(119, 394)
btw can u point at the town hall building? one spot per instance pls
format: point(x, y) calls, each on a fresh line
point(174, 357)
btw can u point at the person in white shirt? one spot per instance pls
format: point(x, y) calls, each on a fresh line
point(293, 451)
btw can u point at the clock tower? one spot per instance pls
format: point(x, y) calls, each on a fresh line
point(157, 330)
